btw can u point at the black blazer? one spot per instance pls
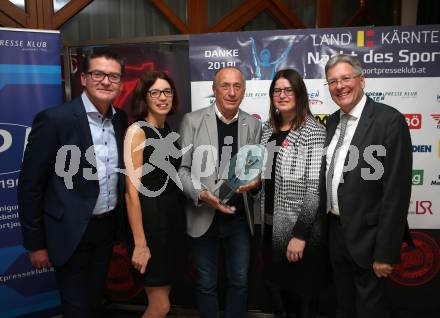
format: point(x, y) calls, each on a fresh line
point(374, 212)
point(53, 216)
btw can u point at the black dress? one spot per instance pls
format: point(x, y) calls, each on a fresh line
point(163, 218)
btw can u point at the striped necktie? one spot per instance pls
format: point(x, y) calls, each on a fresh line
point(331, 167)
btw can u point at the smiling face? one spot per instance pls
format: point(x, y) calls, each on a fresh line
point(228, 88)
point(101, 93)
point(285, 102)
point(161, 105)
point(345, 95)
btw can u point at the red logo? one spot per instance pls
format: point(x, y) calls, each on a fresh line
point(121, 284)
point(436, 117)
point(423, 207)
point(315, 102)
point(285, 143)
point(414, 121)
point(420, 264)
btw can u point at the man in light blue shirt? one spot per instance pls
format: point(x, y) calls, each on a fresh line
point(70, 195)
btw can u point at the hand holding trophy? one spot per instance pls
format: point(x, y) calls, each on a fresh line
point(243, 173)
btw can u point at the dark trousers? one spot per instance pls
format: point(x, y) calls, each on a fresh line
point(231, 232)
point(81, 280)
point(360, 293)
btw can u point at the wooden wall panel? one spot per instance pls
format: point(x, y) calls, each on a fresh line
point(13, 14)
point(40, 14)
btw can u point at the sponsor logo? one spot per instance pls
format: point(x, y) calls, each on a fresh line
point(414, 121)
point(417, 177)
point(322, 118)
point(22, 43)
point(420, 207)
point(380, 96)
point(436, 181)
point(422, 148)
point(13, 140)
point(436, 118)
point(376, 96)
point(314, 97)
point(419, 265)
point(363, 38)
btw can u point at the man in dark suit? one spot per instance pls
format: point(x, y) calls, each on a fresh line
point(366, 189)
point(70, 193)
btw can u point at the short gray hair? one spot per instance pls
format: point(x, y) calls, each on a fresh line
point(344, 58)
point(231, 68)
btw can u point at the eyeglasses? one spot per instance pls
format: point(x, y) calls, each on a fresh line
point(155, 93)
point(226, 86)
point(288, 91)
point(99, 76)
point(345, 80)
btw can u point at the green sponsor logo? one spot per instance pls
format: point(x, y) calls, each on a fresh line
point(417, 177)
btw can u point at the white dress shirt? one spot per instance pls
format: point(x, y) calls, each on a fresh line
point(222, 118)
point(106, 153)
point(352, 123)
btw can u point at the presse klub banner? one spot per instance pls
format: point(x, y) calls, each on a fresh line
point(30, 80)
point(402, 69)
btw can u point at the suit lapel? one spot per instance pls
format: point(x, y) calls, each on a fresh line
point(85, 138)
point(211, 128)
point(361, 131)
point(82, 124)
point(364, 124)
point(332, 123)
point(242, 130)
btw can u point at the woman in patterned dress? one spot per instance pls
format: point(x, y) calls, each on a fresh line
point(294, 252)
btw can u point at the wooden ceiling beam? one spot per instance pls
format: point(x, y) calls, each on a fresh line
point(31, 14)
point(354, 19)
point(285, 16)
point(6, 21)
point(14, 13)
point(68, 11)
point(45, 14)
point(397, 12)
point(239, 16)
point(171, 16)
point(197, 13)
point(323, 13)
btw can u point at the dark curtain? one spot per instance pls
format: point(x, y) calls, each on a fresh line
point(428, 12)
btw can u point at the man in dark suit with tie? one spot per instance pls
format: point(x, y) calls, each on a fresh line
point(366, 189)
point(70, 193)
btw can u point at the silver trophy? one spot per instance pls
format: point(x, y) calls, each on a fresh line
point(244, 167)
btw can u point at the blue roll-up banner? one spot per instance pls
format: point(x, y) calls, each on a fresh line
point(30, 81)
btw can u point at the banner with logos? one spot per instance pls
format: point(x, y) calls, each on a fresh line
point(30, 81)
point(402, 69)
point(401, 66)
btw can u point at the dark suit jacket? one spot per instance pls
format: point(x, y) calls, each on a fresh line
point(52, 216)
point(374, 212)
